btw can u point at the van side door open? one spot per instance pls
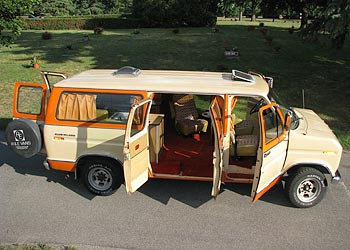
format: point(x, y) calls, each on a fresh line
point(217, 119)
point(136, 146)
point(273, 150)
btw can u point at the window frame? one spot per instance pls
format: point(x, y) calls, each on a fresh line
point(54, 102)
point(266, 145)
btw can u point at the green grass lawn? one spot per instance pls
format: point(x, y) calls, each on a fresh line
point(317, 69)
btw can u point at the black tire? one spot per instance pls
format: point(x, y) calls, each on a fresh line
point(23, 137)
point(102, 177)
point(306, 187)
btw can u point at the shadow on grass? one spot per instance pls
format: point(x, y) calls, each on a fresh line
point(191, 49)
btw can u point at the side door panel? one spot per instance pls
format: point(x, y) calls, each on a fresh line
point(273, 150)
point(136, 146)
point(217, 119)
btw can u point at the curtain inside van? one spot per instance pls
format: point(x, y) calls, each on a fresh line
point(77, 107)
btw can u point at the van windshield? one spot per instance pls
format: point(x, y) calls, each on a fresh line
point(285, 108)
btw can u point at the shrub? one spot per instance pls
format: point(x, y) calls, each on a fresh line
point(98, 30)
point(268, 39)
point(136, 32)
point(65, 23)
point(46, 35)
point(291, 30)
point(263, 31)
point(250, 28)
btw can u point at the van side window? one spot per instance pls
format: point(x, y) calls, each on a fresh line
point(29, 100)
point(96, 107)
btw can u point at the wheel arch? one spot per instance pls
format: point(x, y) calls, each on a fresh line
point(323, 169)
point(82, 160)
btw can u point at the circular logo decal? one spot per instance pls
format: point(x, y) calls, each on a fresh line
point(19, 135)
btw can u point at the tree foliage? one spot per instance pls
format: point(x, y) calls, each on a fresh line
point(82, 7)
point(331, 19)
point(233, 8)
point(58, 7)
point(274, 8)
point(10, 10)
point(174, 13)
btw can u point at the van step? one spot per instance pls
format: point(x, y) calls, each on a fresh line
point(243, 162)
point(240, 176)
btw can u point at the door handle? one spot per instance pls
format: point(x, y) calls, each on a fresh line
point(267, 154)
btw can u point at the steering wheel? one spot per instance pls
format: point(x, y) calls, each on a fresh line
point(257, 106)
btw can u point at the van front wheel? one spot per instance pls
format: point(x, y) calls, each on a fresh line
point(101, 177)
point(306, 187)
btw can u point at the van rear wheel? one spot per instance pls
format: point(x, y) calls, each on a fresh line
point(102, 177)
point(306, 187)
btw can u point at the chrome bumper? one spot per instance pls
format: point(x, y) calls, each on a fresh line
point(336, 178)
point(46, 165)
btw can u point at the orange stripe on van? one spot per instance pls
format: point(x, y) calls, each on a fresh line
point(62, 165)
point(262, 192)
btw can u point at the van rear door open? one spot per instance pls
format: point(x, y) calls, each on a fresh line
point(29, 101)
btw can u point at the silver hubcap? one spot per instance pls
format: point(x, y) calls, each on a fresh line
point(309, 189)
point(100, 179)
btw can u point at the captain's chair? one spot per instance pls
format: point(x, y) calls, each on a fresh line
point(187, 120)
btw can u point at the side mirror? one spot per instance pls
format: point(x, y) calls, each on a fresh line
point(287, 121)
point(269, 81)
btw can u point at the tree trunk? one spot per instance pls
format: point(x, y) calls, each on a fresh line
point(253, 18)
point(241, 13)
point(304, 18)
point(254, 5)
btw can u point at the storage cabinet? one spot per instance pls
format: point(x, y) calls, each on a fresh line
point(156, 136)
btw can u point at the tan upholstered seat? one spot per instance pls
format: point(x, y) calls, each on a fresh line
point(186, 116)
point(246, 145)
point(244, 127)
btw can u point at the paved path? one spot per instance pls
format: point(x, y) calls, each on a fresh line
point(37, 205)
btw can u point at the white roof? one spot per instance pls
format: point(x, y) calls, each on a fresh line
point(163, 81)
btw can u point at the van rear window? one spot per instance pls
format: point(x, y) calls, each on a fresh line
point(29, 100)
point(95, 107)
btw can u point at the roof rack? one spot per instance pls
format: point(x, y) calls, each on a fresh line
point(127, 71)
point(241, 76)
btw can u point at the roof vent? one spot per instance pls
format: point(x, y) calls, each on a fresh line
point(127, 71)
point(241, 76)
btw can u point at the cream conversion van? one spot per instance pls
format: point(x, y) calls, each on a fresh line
point(111, 127)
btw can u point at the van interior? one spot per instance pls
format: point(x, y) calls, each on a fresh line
point(182, 139)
